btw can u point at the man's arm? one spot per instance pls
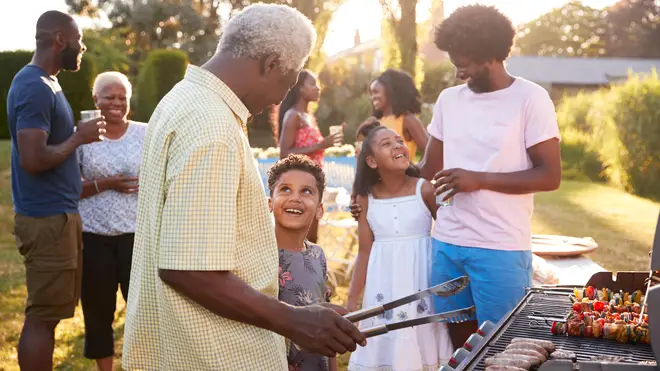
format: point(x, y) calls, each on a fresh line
point(33, 125)
point(197, 257)
point(545, 175)
point(432, 161)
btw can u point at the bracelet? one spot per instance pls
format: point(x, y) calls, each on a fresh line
point(96, 185)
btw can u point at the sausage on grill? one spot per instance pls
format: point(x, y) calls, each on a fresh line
point(532, 346)
point(563, 354)
point(534, 361)
point(504, 368)
point(526, 352)
point(546, 344)
point(521, 363)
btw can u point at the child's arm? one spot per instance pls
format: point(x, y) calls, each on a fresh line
point(365, 240)
point(428, 194)
point(332, 364)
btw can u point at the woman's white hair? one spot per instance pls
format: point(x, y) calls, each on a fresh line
point(261, 30)
point(111, 78)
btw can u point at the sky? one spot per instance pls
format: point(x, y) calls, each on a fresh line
point(363, 15)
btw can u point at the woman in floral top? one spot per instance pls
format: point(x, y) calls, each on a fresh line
point(297, 129)
point(296, 187)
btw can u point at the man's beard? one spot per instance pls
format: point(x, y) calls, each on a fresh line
point(69, 58)
point(480, 82)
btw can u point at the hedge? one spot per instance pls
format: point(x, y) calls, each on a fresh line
point(160, 72)
point(616, 130)
point(77, 86)
point(11, 63)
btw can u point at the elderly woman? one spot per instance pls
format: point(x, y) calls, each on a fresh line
point(108, 207)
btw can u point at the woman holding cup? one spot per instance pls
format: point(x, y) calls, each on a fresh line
point(298, 131)
point(108, 209)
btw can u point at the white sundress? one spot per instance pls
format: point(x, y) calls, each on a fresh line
point(400, 265)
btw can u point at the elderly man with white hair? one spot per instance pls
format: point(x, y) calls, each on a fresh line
point(204, 281)
point(108, 208)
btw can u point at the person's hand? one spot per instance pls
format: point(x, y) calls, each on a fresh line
point(356, 209)
point(337, 308)
point(91, 131)
point(321, 330)
point(331, 139)
point(121, 184)
point(457, 180)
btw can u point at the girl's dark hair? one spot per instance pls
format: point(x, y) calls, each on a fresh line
point(365, 176)
point(290, 100)
point(401, 92)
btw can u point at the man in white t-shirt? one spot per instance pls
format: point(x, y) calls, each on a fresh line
point(494, 143)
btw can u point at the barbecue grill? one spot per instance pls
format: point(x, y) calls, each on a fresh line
point(532, 318)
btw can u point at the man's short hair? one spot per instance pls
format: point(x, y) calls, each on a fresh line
point(478, 32)
point(49, 23)
point(296, 162)
point(111, 78)
point(261, 30)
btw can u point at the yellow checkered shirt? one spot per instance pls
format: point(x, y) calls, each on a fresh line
point(202, 207)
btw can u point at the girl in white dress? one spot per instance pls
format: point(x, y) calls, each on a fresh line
point(394, 257)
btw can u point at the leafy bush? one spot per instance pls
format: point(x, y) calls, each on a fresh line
point(580, 158)
point(11, 63)
point(614, 134)
point(630, 143)
point(77, 86)
point(344, 98)
point(160, 72)
point(437, 77)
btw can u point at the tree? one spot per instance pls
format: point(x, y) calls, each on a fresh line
point(108, 50)
point(189, 25)
point(633, 29)
point(574, 30)
point(401, 19)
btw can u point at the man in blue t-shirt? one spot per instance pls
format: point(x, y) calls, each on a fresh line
point(46, 185)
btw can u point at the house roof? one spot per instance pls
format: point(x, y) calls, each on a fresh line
point(370, 45)
point(577, 71)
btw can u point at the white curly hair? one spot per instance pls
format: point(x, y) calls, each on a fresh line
point(110, 78)
point(261, 29)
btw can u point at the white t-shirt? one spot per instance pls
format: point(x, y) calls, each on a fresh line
point(491, 132)
point(111, 213)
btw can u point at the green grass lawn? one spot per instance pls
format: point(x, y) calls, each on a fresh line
point(623, 225)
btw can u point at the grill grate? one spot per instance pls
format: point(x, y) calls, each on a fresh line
point(517, 325)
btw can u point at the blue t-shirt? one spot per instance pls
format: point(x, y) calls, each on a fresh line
point(36, 101)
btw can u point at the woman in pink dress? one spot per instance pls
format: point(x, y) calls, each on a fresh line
point(297, 128)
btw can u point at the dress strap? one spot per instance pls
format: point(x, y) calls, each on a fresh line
point(418, 189)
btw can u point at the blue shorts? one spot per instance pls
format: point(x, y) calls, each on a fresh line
point(497, 278)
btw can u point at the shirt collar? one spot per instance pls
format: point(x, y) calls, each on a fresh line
point(200, 76)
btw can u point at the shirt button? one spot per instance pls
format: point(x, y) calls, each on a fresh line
point(395, 217)
point(394, 205)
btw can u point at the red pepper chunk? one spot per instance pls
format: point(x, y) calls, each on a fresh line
point(599, 306)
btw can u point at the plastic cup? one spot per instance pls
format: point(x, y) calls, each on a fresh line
point(336, 129)
point(91, 115)
point(439, 199)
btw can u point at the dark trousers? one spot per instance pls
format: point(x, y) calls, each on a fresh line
point(106, 265)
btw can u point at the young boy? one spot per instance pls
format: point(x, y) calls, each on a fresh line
point(296, 187)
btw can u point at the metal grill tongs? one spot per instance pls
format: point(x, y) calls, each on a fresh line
point(455, 316)
point(444, 289)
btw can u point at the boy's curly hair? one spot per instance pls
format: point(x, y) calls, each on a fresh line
point(296, 162)
point(478, 32)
